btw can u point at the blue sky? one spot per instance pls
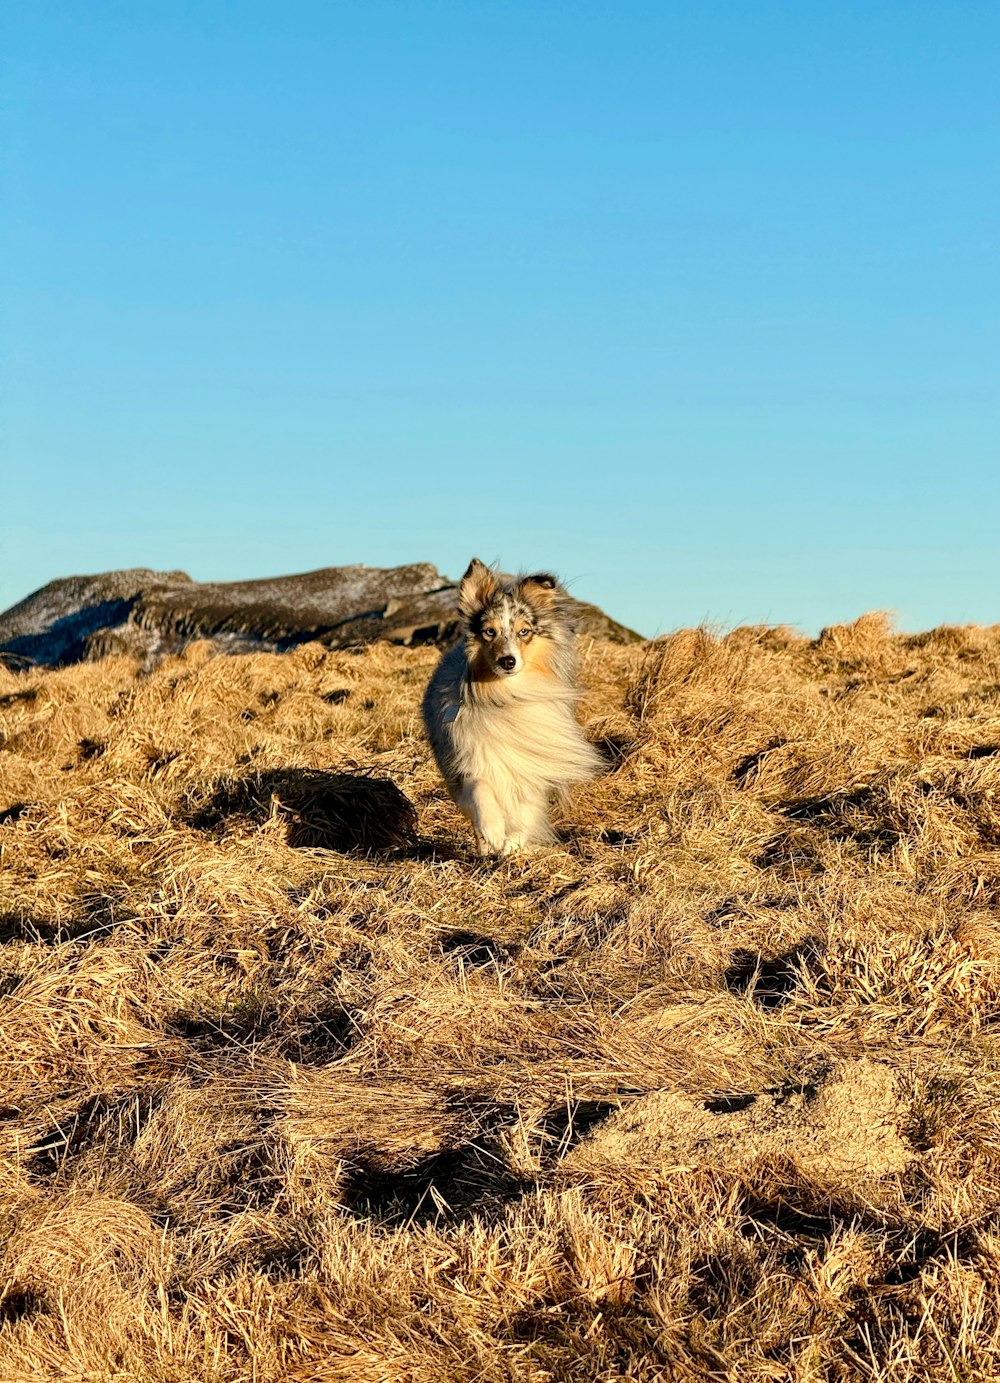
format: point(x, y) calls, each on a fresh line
point(698, 304)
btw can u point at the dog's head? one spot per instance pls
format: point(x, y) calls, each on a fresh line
point(505, 621)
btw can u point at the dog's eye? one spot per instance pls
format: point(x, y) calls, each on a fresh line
point(489, 632)
point(523, 633)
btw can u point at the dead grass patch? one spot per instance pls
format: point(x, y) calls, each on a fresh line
point(294, 1087)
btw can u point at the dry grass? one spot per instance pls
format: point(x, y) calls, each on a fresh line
point(295, 1088)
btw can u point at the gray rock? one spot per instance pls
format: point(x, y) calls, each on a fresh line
point(148, 614)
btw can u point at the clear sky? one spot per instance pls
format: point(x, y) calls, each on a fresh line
point(696, 303)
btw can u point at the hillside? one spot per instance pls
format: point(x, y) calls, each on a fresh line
point(295, 1088)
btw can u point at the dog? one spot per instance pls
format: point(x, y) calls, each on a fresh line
point(499, 709)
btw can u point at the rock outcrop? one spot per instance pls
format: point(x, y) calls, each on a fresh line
point(148, 614)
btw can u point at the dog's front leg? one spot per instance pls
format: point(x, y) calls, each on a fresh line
point(479, 803)
point(530, 823)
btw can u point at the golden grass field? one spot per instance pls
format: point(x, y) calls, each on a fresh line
point(295, 1088)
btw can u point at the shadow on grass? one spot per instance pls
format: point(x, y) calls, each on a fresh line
point(448, 1187)
point(254, 1021)
point(770, 984)
point(319, 810)
point(98, 1121)
point(474, 951)
point(93, 914)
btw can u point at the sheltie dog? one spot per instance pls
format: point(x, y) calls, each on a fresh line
point(499, 709)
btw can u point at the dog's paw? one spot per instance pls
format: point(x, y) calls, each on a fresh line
point(500, 848)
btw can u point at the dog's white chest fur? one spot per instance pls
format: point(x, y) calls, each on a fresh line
point(505, 758)
point(520, 744)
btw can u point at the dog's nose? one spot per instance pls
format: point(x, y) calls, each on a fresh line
point(507, 662)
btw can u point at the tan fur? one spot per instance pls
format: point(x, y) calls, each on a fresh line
point(481, 672)
point(537, 658)
point(478, 586)
point(536, 593)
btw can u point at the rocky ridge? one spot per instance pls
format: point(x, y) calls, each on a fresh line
point(149, 614)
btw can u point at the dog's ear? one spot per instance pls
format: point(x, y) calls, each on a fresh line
point(541, 589)
point(477, 587)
